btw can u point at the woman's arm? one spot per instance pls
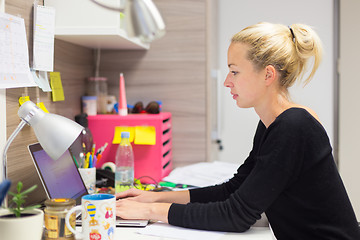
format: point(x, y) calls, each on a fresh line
point(129, 209)
point(138, 204)
point(181, 197)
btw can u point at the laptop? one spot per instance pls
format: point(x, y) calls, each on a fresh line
point(61, 179)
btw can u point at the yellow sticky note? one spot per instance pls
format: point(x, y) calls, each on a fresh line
point(23, 99)
point(42, 107)
point(56, 87)
point(117, 133)
point(145, 135)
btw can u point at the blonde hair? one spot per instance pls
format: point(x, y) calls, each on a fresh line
point(288, 49)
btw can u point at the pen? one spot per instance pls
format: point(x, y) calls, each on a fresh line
point(82, 157)
point(175, 185)
point(86, 164)
point(84, 148)
point(94, 161)
point(98, 158)
point(77, 165)
point(90, 161)
point(93, 150)
point(101, 150)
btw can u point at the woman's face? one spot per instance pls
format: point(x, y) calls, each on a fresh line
point(246, 84)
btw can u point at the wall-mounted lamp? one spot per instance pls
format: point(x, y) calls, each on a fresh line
point(142, 18)
point(55, 133)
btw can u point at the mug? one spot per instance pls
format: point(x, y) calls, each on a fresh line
point(98, 217)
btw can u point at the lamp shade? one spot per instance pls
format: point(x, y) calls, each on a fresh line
point(55, 133)
point(143, 20)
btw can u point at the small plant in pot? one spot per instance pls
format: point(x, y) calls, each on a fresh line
point(17, 222)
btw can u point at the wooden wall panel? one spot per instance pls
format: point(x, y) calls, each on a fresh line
point(173, 71)
point(74, 63)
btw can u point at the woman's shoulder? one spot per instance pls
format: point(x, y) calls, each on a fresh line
point(310, 111)
point(297, 118)
point(299, 112)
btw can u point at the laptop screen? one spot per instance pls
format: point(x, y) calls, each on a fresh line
point(61, 178)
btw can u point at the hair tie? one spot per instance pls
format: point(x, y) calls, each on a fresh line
point(292, 34)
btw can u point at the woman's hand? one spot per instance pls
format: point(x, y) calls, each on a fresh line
point(129, 209)
point(181, 197)
point(137, 195)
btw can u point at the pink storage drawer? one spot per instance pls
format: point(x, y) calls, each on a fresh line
point(150, 160)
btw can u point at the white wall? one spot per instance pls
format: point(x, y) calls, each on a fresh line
point(349, 128)
point(238, 125)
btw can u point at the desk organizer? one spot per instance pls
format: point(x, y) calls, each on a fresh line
point(150, 160)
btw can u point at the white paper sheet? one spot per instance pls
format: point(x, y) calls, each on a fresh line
point(14, 57)
point(44, 30)
point(168, 231)
point(203, 174)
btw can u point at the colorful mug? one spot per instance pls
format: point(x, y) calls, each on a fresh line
point(98, 217)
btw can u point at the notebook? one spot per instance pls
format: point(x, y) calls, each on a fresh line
point(61, 179)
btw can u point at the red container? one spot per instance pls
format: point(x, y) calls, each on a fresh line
point(149, 160)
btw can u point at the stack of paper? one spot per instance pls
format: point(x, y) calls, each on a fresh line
point(203, 174)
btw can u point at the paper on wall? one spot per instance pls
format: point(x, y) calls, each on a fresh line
point(41, 80)
point(44, 31)
point(56, 86)
point(14, 57)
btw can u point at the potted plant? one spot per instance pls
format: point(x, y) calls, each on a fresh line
point(20, 223)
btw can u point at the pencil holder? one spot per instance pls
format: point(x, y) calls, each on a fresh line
point(88, 176)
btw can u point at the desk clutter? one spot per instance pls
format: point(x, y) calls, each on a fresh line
point(150, 130)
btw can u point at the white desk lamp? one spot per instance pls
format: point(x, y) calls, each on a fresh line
point(54, 133)
point(142, 18)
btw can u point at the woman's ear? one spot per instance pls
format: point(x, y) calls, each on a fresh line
point(271, 74)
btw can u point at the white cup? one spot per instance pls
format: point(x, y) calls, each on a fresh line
point(98, 217)
point(88, 176)
point(89, 105)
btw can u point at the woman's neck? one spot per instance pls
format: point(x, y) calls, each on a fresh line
point(272, 108)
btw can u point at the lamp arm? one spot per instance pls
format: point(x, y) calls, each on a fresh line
point(8, 142)
point(119, 9)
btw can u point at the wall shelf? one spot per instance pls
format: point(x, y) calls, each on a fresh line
point(104, 38)
point(84, 23)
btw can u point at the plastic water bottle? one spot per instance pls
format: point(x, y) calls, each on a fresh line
point(124, 174)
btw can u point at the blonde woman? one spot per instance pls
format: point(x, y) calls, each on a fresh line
point(290, 173)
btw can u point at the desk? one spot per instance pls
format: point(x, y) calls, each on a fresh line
point(254, 233)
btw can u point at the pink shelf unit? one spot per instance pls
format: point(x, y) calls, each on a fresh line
point(150, 160)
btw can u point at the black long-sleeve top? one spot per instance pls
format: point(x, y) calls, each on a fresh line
point(290, 174)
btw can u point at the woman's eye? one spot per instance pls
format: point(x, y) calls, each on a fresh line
point(234, 73)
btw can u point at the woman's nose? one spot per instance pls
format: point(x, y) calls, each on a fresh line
point(227, 82)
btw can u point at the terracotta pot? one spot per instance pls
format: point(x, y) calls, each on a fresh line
point(29, 227)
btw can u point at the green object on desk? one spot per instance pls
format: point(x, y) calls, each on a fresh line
point(167, 184)
point(175, 185)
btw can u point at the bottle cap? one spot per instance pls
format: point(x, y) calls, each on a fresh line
point(57, 202)
point(125, 134)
